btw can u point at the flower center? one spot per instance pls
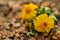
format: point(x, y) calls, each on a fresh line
point(28, 9)
point(45, 24)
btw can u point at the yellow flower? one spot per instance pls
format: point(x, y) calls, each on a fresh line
point(43, 23)
point(29, 11)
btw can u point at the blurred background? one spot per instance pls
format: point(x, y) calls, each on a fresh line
point(11, 22)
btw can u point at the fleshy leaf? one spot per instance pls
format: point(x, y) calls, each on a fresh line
point(52, 15)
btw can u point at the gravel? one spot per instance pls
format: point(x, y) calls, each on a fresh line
point(13, 27)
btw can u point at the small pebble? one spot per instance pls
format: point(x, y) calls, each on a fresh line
point(54, 37)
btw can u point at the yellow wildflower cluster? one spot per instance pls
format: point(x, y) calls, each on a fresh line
point(42, 23)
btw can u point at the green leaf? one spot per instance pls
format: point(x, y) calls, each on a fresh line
point(40, 11)
point(48, 10)
point(53, 16)
point(43, 10)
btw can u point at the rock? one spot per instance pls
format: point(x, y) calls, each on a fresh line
point(58, 34)
point(45, 4)
point(16, 25)
point(16, 34)
point(10, 3)
point(54, 37)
